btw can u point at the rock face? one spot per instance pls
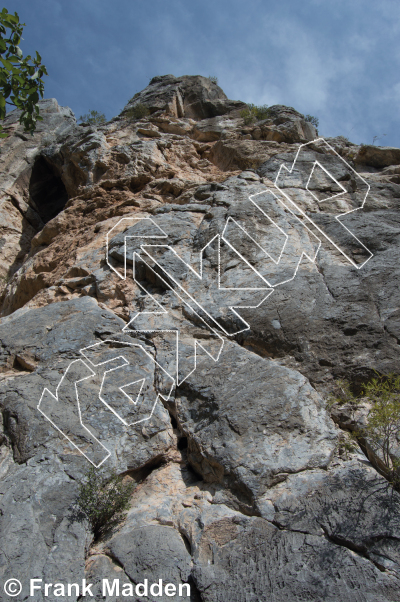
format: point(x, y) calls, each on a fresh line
point(179, 293)
point(190, 96)
point(31, 191)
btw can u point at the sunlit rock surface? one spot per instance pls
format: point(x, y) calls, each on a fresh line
point(229, 301)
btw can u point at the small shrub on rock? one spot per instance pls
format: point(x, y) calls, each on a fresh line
point(380, 435)
point(103, 499)
point(313, 120)
point(255, 113)
point(383, 427)
point(213, 79)
point(138, 111)
point(93, 118)
point(342, 394)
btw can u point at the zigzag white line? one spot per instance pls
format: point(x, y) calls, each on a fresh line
point(337, 217)
point(176, 332)
point(100, 393)
point(200, 275)
point(136, 220)
point(303, 254)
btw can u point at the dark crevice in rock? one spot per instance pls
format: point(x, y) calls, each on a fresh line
point(173, 421)
point(194, 592)
point(4, 436)
point(31, 216)
point(361, 551)
point(47, 192)
point(114, 560)
point(14, 433)
point(273, 349)
point(278, 525)
point(141, 474)
point(186, 542)
point(182, 443)
point(22, 365)
point(336, 540)
point(194, 472)
point(139, 182)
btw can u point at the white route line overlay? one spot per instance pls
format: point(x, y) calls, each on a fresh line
point(199, 275)
point(337, 217)
point(93, 373)
point(303, 254)
point(162, 234)
point(176, 332)
point(135, 220)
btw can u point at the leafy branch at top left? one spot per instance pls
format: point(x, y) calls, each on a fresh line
point(21, 83)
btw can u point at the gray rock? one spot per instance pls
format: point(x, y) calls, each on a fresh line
point(250, 421)
point(260, 561)
point(192, 96)
point(244, 491)
point(154, 552)
point(39, 537)
point(57, 334)
point(344, 505)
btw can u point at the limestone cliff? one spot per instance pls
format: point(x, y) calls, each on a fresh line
point(205, 259)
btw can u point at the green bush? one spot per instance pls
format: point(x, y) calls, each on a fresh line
point(313, 120)
point(213, 79)
point(255, 113)
point(138, 111)
point(381, 433)
point(383, 427)
point(93, 117)
point(103, 499)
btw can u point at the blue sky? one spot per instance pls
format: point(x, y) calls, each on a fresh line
point(336, 59)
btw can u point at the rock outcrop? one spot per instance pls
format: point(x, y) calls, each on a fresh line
point(178, 297)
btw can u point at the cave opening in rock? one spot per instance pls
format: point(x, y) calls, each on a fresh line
point(47, 191)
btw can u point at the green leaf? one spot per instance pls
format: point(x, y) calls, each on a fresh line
point(34, 97)
point(20, 77)
point(6, 64)
point(13, 18)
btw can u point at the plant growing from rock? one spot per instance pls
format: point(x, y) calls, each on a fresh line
point(313, 120)
point(93, 118)
point(213, 79)
point(382, 431)
point(379, 437)
point(103, 499)
point(255, 113)
point(138, 111)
